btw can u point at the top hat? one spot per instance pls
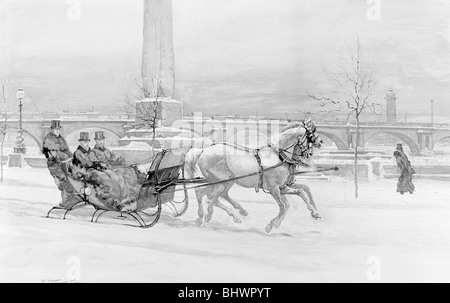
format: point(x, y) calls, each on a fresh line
point(399, 146)
point(84, 137)
point(56, 124)
point(99, 136)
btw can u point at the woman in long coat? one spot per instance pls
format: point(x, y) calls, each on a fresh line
point(404, 183)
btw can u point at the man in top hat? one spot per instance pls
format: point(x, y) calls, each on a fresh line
point(56, 150)
point(83, 157)
point(404, 183)
point(102, 153)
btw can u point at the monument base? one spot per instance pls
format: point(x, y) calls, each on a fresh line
point(137, 146)
point(15, 160)
point(165, 137)
point(20, 150)
point(168, 112)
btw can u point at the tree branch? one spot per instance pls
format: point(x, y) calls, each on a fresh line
point(328, 99)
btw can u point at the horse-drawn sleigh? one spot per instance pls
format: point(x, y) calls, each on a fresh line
point(156, 189)
point(272, 168)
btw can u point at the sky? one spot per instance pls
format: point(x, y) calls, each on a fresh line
point(232, 57)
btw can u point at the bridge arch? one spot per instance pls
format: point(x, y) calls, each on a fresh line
point(440, 139)
point(412, 144)
point(32, 143)
point(341, 145)
point(36, 140)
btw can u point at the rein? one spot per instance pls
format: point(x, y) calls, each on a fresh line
point(193, 181)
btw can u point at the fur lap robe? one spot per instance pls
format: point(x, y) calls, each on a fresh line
point(115, 187)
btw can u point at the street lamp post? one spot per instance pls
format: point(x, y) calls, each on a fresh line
point(432, 113)
point(20, 148)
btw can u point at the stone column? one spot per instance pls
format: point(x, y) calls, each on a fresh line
point(158, 68)
point(426, 144)
point(352, 139)
point(421, 141)
point(428, 138)
point(361, 139)
point(158, 59)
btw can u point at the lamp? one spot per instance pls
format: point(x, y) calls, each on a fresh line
point(20, 148)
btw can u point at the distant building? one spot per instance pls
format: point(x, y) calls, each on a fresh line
point(391, 107)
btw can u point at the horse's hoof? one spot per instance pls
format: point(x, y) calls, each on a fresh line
point(243, 212)
point(316, 216)
point(199, 222)
point(237, 220)
point(268, 228)
point(208, 218)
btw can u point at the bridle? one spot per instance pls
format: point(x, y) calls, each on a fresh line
point(305, 144)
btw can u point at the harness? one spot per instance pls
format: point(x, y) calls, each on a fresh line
point(282, 154)
point(261, 171)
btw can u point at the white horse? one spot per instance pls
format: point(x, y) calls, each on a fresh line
point(220, 162)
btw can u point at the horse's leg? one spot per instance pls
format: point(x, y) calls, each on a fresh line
point(200, 193)
point(275, 222)
point(304, 192)
point(236, 205)
point(213, 199)
point(230, 212)
point(283, 215)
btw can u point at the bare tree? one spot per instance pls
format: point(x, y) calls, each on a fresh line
point(147, 115)
point(4, 97)
point(354, 87)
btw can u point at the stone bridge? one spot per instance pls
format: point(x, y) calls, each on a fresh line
point(417, 138)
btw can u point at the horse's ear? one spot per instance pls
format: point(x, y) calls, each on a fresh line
point(308, 121)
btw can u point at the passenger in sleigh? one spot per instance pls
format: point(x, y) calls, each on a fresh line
point(57, 152)
point(103, 154)
point(84, 159)
point(112, 187)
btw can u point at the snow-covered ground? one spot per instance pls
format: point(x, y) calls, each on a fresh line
point(382, 234)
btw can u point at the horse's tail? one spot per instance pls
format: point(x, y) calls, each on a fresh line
point(191, 169)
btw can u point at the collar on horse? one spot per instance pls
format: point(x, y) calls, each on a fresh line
point(285, 159)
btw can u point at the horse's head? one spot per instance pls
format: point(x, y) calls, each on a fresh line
point(312, 137)
point(307, 140)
